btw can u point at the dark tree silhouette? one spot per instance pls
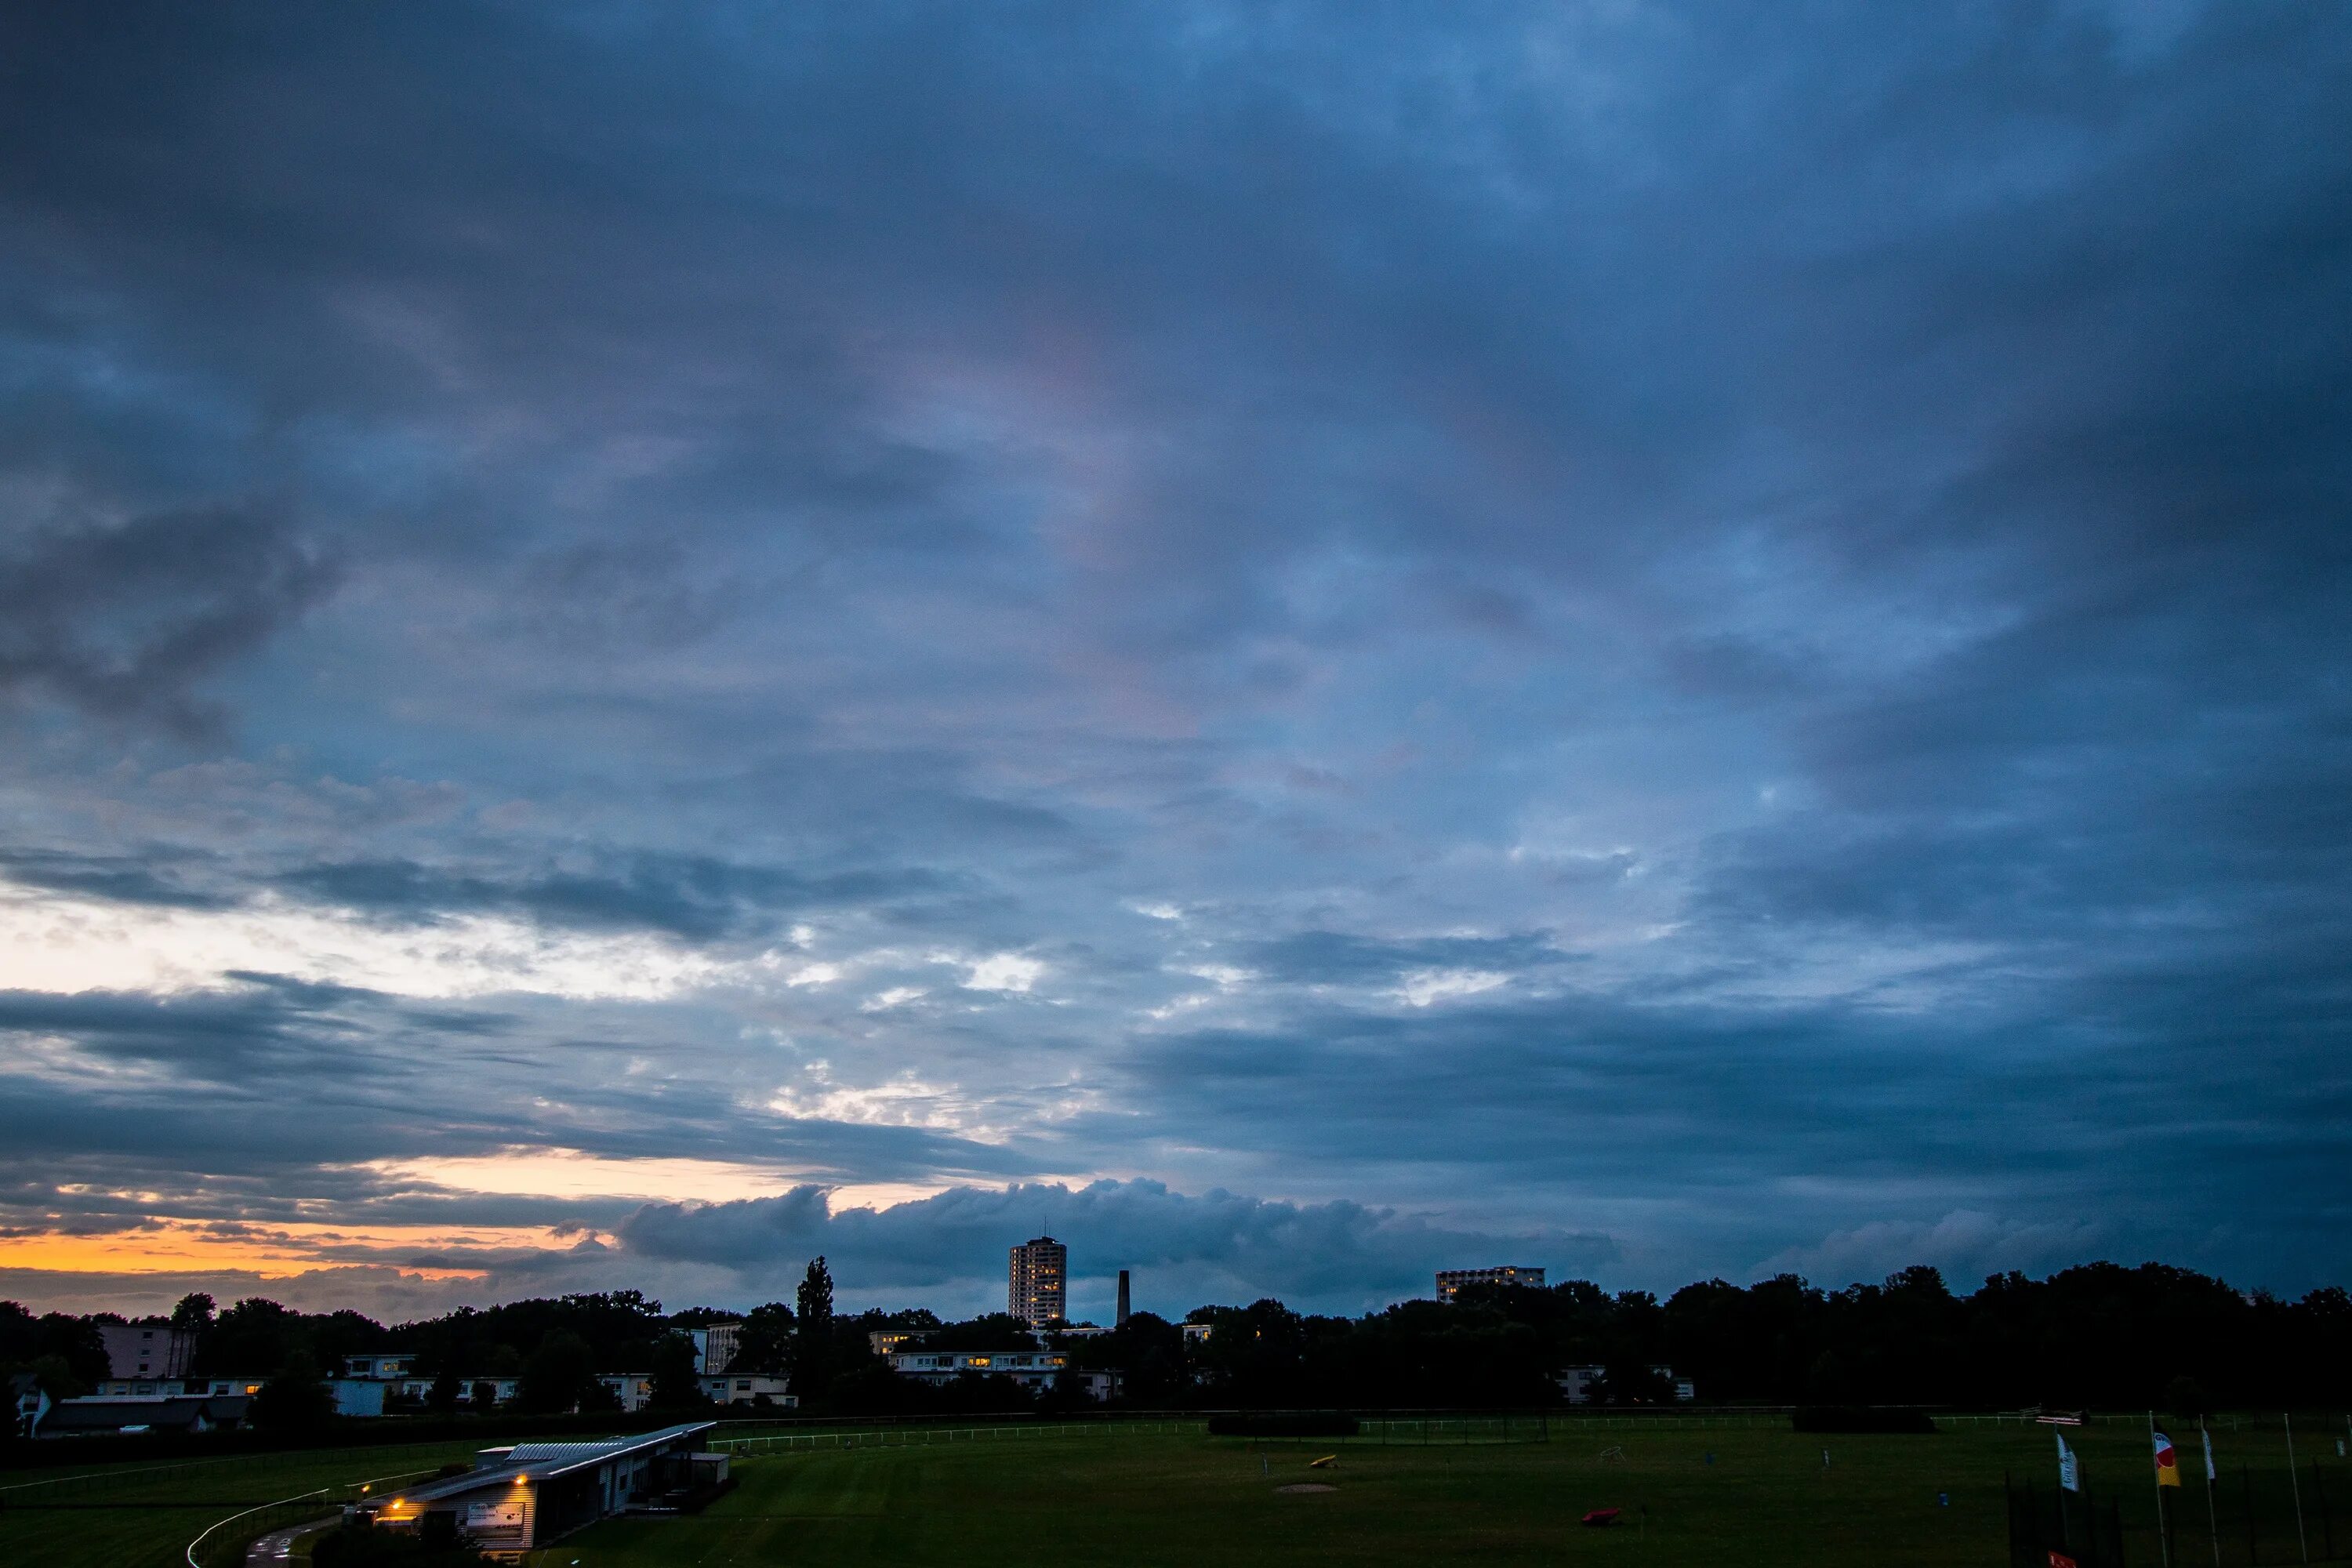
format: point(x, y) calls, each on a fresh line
point(813, 1368)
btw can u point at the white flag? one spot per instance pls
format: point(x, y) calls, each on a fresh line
point(2070, 1476)
point(2211, 1474)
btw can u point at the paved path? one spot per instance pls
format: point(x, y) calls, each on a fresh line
point(276, 1549)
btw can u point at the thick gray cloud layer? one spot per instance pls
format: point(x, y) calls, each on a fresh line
point(1703, 641)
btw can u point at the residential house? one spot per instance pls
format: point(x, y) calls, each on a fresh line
point(1578, 1384)
point(1102, 1387)
point(367, 1379)
point(634, 1390)
point(750, 1388)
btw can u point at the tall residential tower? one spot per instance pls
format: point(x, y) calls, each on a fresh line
point(1036, 1291)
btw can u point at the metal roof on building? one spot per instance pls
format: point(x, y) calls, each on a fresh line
point(541, 1461)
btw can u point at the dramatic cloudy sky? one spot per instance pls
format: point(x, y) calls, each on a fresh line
point(1297, 643)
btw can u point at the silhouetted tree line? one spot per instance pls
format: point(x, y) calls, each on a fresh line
point(63, 1352)
point(2100, 1335)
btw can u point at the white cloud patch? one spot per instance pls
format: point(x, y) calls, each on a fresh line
point(67, 946)
point(1009, 973)
point(1426, 987)
point(576, 1174)
point(905, 1099)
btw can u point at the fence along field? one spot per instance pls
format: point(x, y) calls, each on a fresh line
point(1695, 1488)
point(793, 1438)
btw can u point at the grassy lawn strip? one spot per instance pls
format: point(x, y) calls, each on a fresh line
point(1766, 1499)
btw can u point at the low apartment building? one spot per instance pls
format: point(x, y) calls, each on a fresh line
point(634, 1390)
point(1032, 1368)
point(136, 1350)
point(176, 1387)
point(750, 1388)
point(367, 1379)
point(381, 1366)
point(1450, 1281)
point(473, 1393)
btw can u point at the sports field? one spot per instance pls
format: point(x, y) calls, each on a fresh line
point(1187, 1499)
point(1163, 1493)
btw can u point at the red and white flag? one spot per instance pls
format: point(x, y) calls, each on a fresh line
point(2168, 1463)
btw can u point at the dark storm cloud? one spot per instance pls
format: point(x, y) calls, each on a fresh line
point(251, 1035)
point(150, 879)
point(691, 896)
point(1317, 956)
point(1740, 1094)
point(268, 1100)
point(123, 619)
point(1725, 628)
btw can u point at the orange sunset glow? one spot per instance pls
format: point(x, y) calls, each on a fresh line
point(174, 1246)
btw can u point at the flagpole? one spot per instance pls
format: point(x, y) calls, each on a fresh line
point(2212, 1518)
point(2301, 1540)
point(2163, 1542)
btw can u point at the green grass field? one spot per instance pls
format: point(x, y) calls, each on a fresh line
point(1192, 1500)
point(1150, 1496)
point(143, 1516)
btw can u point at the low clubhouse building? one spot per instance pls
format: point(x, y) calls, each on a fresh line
point(514, 1499)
